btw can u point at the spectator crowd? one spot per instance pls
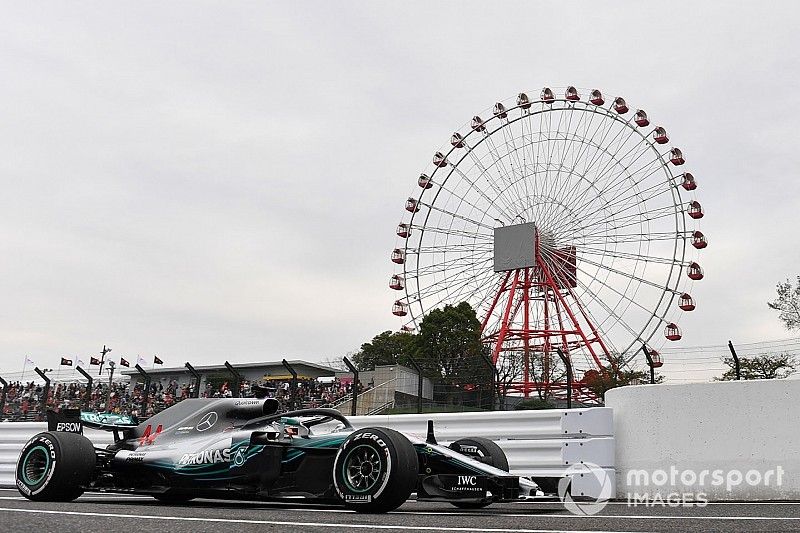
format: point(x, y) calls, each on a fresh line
point(23, 401)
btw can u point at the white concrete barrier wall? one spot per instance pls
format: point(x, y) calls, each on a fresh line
point(700, 438)
point(538, 443)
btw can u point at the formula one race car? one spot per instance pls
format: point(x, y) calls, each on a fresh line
point(242, 448)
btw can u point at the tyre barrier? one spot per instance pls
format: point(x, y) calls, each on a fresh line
point(540, 444)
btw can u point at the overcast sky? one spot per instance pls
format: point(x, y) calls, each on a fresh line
point(222, 181)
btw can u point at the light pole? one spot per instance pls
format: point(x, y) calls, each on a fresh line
point(103, 360)
point(111, 367)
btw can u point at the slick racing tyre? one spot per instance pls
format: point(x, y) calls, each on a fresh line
point(485, 451)
point(55, 466)
point(375, 470)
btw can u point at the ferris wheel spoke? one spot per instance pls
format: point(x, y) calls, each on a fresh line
point(616, 315)
point(595, 182)
point(604, 141)
point(484, 171)
point(567, 137)
point(629, 255)
point(586, 287)
point(638, 149)
point(630, 220)
point(620, 238)
point(454, 269)
point(447, 266)
point(583, 146)
point(611, 312)
point(584, 309)
point(498, 160)
point(452, 248)
point(472, 183)
point(508, 137)
point(552, 144)
point(626, 203)
point(625, 274)
point(592, 219)
point(477, 236)
point(582, 201)
point(456, 215)
point(449, 287)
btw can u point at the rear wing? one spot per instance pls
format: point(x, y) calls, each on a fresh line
point(73, 421)
point(108, 421)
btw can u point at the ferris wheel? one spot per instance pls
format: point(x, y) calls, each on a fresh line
point(565, 221)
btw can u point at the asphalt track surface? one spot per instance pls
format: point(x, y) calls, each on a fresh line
point(109, 512)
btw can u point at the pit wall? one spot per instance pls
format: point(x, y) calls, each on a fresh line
point(735, 440)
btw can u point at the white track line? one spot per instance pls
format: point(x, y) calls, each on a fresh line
point(611, 516)
point(403, 527)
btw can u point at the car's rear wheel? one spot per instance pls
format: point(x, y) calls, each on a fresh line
point(485, 451)
point(375, 470)
point(55, 466)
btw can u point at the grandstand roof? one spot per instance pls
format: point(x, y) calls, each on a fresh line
point(267, 369)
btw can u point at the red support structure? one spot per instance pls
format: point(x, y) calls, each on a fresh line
point(551, 316)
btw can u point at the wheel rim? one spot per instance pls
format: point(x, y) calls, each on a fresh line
point(35, 465)
point(362, 468)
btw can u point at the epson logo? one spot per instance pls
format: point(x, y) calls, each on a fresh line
point(468, 480)
point(70, 427)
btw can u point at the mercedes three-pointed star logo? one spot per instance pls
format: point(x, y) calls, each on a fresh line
point(207, 422)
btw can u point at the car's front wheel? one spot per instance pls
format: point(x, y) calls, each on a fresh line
point(55, 466)
point(485, 451)
point(375, 470)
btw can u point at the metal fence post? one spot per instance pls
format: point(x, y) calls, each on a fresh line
point(419, 383)
point(146, 389)
point(3, 397)
point(292, 384)
point(111, 367)
point(494, 378)
point(354, 370)
point(103, 353)
point(193, 372)
point(737, 367)
point(46, 392)
point(87, 399)
point(650, 364)
point(568, 365)
point(237, 379)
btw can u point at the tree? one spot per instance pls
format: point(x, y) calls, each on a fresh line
point(788, 303)
point(546, 369)
point(386, 348)
point(765, 366)
point(617, 374)
point(449, 345)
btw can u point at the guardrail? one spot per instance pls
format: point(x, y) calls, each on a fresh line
point(540, 444)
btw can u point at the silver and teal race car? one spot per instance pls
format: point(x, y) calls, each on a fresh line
point(243, 448)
